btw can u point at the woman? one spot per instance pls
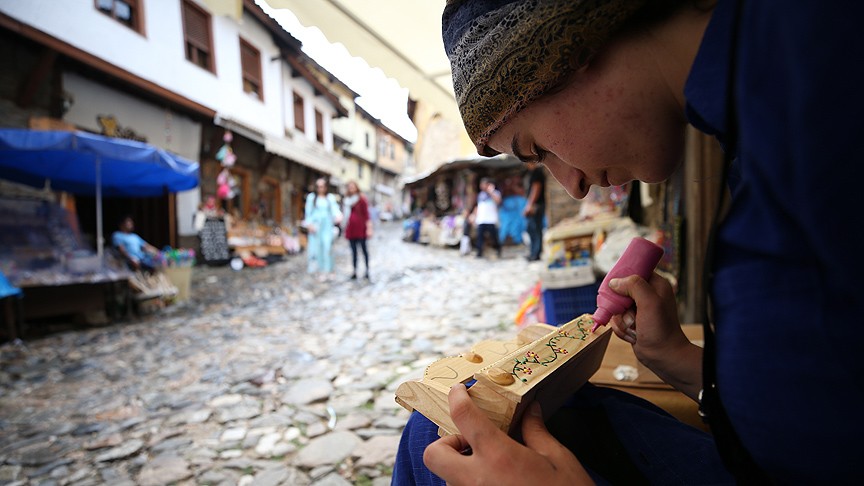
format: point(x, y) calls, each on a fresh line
point(322, 214)
point(359, 227)
point(600, 93)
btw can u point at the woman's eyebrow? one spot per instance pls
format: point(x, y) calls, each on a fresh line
point(514, 146)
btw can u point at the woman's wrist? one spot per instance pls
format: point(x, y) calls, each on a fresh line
point(679, 365)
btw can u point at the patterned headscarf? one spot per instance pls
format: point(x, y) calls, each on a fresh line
point(506, 53)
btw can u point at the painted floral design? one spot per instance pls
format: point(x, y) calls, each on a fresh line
point(556, 347)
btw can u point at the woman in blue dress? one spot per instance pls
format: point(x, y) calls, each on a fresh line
point(321, 217)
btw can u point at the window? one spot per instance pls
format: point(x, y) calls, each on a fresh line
point(127, 12)
point(196, 34)
point(319, 126)
point(250, 62)
point(299, 120)
point(367, 139)
point(360, 169)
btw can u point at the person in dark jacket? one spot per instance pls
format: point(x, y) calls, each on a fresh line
point(359, 227)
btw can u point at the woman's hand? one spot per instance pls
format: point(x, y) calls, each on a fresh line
point(495, 458)
point(652, 327)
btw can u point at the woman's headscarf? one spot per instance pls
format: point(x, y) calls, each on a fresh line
point(506, 53)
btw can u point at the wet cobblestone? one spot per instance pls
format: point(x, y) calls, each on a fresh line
point(265, 376)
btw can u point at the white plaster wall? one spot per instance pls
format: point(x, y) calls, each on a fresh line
point(310, 104)
point(287, 99)
point(304, 89)
point(344, 126)
point(231, 100)
point(363, 127)
point(158, 55)
point(328, 111)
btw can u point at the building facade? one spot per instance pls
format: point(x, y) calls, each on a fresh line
point(170, 73)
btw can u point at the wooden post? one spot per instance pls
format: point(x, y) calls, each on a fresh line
point(702, 170)
point(172, 220)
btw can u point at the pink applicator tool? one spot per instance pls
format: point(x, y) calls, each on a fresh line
point(640, 258)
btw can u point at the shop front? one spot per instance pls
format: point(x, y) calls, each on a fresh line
point(253, 189)
point(162, 218)
point(42, 250)
point(440, 200)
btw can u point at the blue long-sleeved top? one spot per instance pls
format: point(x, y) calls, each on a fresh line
point(787, 291)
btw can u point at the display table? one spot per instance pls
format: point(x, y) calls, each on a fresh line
point(9, 299)
point(249, 238)
point(72, 298)
point(41, 254)
point(647, 385)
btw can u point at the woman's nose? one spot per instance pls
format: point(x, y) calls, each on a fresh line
point(572, 179)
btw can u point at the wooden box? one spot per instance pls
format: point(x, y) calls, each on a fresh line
point(543, 363)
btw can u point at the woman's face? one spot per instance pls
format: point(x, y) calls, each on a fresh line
point(352, 189)
point(321, 187)
point(613, 122)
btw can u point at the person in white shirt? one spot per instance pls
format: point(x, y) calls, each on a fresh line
point(486, 215)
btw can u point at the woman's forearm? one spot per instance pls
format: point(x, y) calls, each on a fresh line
point(681, 369)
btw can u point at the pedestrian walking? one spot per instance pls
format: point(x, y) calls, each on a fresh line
point(320, 220)
point(359, 227)
point(612, 88)
point(486, 216)
point(535, 209)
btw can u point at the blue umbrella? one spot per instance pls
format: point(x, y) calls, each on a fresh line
point(86, 164)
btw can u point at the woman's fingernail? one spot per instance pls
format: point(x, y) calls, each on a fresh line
point(614, 283)
point(632, 333)
point(630, 339)
point(628, 319)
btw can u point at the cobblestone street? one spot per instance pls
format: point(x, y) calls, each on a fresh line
point(266, 376)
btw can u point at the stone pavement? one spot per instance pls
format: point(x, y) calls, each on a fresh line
point(266, 376)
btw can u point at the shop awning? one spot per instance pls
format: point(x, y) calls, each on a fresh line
point(7, 289)
point(87, 164)
point(498, 162)
point(308, 154)
point(69, 160)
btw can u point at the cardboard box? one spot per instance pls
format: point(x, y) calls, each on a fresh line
point(181, 277)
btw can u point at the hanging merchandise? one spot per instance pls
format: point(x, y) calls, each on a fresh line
point(225, 154)
point(225, 183)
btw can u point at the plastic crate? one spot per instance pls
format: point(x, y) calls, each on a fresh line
point(568, 277)
point(563, 305)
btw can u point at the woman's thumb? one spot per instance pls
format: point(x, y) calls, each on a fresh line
point(535, 435)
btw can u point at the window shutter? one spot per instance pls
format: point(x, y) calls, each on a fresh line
point(319, 126)
point(299, 121)
point(250, 64)
point(197, 27)
point(248, 59)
